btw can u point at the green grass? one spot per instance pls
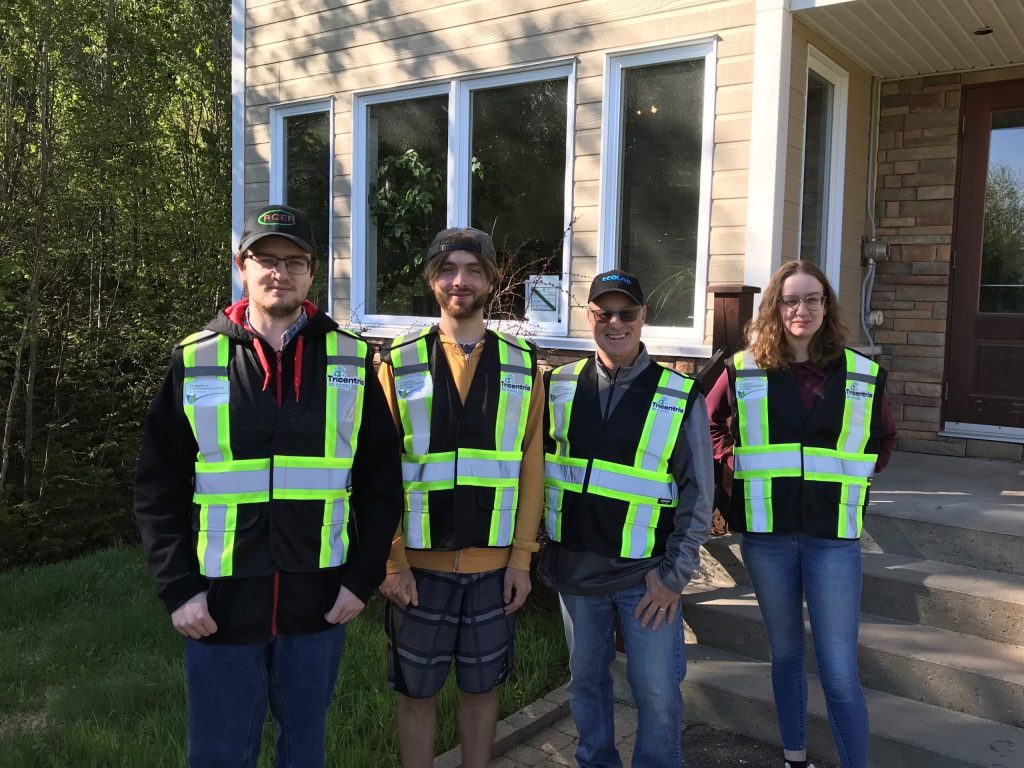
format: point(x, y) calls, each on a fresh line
point(91, 673)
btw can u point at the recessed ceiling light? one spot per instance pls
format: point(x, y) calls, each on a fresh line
point(982, 31)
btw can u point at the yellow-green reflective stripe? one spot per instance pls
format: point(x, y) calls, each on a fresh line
point(861, 375)
point(638, 531)
point(413, 390)
point(663, 422)
point(334, 533)
point(565, 472)
point(503, 516)
point(631, 484)
point(210, 424)
point(416, 521)
point(510, 429)
point(758, 505)
point(781, 460)
point(822, 461)
point(564, 381)
point(433, 468)
point(216, 540)
point(553, 497)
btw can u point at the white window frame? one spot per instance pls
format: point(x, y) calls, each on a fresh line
point(278, 114)
point(839, 78)
point(460, 92)
point(611, 172)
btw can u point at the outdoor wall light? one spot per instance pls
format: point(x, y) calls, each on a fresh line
point(982, 31)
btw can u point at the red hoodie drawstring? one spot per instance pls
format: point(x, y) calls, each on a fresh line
point(297, 380)
point(263, 362)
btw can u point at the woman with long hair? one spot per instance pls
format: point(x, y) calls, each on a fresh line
point(800, 423)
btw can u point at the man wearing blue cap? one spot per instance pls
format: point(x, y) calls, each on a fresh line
point(628, 488)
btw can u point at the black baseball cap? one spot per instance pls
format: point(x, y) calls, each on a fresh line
point(616, 280)
point(463, 239)
point(280, 220)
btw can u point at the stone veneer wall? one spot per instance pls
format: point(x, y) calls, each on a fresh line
point(917, 156)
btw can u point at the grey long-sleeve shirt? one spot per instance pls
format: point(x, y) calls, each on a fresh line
point(586, 573)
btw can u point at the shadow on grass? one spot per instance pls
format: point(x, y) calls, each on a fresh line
point(91, 673)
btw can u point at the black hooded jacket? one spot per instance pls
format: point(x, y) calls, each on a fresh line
point(277, 404)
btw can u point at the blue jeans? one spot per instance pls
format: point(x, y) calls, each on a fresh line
point(785, 568)
point(655, 666)
point(229, 687)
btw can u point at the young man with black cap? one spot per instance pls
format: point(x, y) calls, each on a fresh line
point(468, 404)
point(628, 490)
point(267, 493)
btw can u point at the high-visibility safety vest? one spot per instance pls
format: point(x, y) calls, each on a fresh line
point(804, 470)
point(224, 485)
point(607, 484)
point(461, 462)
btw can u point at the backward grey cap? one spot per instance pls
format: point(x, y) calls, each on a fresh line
point(463, 239)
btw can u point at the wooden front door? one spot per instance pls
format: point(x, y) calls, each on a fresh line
point(985, 359)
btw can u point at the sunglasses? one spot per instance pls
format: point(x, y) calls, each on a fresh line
point(607, 315)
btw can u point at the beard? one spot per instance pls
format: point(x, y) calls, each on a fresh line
point(450, 308)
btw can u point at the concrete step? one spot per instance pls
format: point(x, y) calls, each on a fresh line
point(954, 510)
point(988, 604)
point(947, 669)
point(733, 692)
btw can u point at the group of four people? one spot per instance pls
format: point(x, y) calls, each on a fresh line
point(280, 482)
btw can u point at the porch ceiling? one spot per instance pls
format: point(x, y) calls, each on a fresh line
point(905, 38)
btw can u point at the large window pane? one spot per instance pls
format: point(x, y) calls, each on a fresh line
point(1002, 258)
point(517, 178)
point(307, 169)
point(407, 165)
point(817, 167)
point(659, 193)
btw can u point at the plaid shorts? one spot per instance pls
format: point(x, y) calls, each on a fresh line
point(460, 615)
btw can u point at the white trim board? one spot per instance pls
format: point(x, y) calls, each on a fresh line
point(278, 114)
point(982, 432)
point(839, 78)
point(237, 138)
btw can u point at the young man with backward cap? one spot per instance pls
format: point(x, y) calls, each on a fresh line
point(628, 490)
point(267, 493)
point(469, 406)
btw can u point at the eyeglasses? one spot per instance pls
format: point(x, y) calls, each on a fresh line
point(295, 265)
point(813, 303)
point(607, 315)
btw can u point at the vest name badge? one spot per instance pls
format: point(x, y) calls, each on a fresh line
point(206, 391)
point(751, 387)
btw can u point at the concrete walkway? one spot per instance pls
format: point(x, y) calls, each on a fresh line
point(980, 496)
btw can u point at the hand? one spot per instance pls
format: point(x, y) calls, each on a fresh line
point(192, 619)
point(517, 587)
point(400, 588)
point(659, 602)
point(346, 608)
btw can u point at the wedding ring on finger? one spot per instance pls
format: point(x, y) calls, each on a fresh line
point(663, 610)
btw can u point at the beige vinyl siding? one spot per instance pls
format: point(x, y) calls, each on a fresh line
point(314, 49)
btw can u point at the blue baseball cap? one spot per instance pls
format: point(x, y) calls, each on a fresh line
point(616, 280)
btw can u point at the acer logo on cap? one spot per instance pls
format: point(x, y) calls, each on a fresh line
point(276, 217)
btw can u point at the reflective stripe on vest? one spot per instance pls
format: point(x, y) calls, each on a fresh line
point(645, 486)
point(561, 472)
point(848, 464)
point(423, 472)
point(757, 460)
point(222, 483)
